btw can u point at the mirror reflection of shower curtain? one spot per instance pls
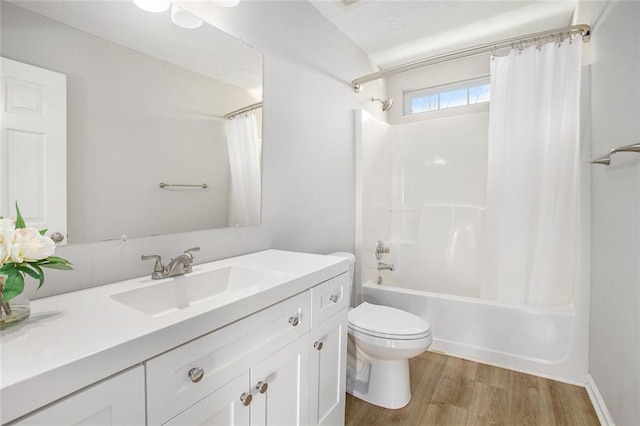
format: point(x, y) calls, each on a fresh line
point(530, 253)
point(244, 147)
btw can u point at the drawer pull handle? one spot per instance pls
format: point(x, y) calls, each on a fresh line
point(196, 374)
point(246, 399)
point(334, 298)
point(318, 345)
point(262, 387)
point(294, 321)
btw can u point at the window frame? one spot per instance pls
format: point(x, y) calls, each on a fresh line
point(409, 95)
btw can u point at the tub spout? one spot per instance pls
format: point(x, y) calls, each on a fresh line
point(385, 266)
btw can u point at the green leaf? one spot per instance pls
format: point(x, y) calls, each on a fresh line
point(43, 231)
point(13, 286)
point(29, 271)
point(59, 266)
point(41, 279)
point(8, 269)
point(19, 220)
point(54, 259)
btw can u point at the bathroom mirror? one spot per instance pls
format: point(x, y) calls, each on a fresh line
point(145, 105)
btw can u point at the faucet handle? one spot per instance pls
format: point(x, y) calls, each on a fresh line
point(191, 250)
point(158, 268)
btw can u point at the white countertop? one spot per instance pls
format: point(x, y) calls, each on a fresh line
point(73, 340)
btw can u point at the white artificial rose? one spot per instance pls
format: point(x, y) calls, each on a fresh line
point(7, 230)
point(28, 245)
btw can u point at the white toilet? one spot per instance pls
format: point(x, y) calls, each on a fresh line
point(381, 342)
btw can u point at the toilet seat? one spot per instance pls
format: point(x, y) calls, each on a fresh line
point(388, 323)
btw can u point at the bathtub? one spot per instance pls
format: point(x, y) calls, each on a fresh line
point(535, 340)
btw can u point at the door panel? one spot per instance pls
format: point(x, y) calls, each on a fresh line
point(286, 373)
point(33, 147)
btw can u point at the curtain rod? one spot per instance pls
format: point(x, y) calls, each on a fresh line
point(581, 29)
point(243, 110)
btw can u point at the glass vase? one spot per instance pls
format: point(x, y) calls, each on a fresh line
point(15, 310)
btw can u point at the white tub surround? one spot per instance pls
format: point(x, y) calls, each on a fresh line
point(77, 339)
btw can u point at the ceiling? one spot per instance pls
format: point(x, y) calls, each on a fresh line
point(393, 32)
point(205, 50)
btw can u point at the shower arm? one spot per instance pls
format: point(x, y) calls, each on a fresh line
point(605, 160)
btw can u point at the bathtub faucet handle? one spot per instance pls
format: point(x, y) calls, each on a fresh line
point(381, 249)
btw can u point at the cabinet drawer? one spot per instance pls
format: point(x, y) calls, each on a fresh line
point(329, 297)
point(221, 356)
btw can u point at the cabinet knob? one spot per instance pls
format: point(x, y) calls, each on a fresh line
point(318, 345)
point(262, 387)
point(196, 374)
point(294, 321)
point(246, 399)
point(334, 298)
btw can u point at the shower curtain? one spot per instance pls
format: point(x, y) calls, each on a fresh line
point(244, 147)
point(530, 234)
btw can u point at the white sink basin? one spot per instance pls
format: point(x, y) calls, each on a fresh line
point(177, 293)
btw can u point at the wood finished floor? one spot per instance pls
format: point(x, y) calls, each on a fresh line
point(452, 391)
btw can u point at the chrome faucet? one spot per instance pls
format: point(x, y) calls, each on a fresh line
point(385, 266)
point(179, 265)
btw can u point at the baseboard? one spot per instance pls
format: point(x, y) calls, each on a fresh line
point(598, 403)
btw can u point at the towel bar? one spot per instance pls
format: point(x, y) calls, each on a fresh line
point(606, 159)
point(199, 185)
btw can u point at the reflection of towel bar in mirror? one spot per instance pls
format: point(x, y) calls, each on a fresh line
point(606, 159)
point(182, 185)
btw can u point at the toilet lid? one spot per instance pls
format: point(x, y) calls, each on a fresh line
point(384, 320)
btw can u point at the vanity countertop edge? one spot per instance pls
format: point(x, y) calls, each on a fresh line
point(76, 339)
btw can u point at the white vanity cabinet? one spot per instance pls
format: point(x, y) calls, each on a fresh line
point(329, 352)
point(202, 369)
point(118, 400)
point(275, 367)
point(273, 392)
point(269, 353)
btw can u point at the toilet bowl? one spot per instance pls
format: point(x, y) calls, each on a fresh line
point(381, 342)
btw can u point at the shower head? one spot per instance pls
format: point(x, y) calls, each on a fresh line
point(386, 105)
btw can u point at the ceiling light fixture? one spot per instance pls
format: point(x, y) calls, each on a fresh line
point(184, 19)
point(155, 6)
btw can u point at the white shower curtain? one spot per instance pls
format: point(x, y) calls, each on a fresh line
point(532, 214)
point(244, 148)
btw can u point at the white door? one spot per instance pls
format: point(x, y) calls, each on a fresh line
point(285, 399)
point(33, 148)
point(328, 371)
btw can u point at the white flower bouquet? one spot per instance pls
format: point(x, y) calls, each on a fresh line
point(23, 251)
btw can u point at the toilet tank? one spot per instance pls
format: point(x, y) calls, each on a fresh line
point(352, 264)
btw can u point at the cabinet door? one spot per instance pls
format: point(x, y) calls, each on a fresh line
point(328, 371)
point(115, 401)
point(285, 399)
point(223, 407)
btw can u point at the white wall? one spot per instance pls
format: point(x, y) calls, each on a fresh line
point(308, 155)
point(129, 116)
point(614, 351)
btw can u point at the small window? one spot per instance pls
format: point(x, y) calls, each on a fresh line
point(464, 93)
